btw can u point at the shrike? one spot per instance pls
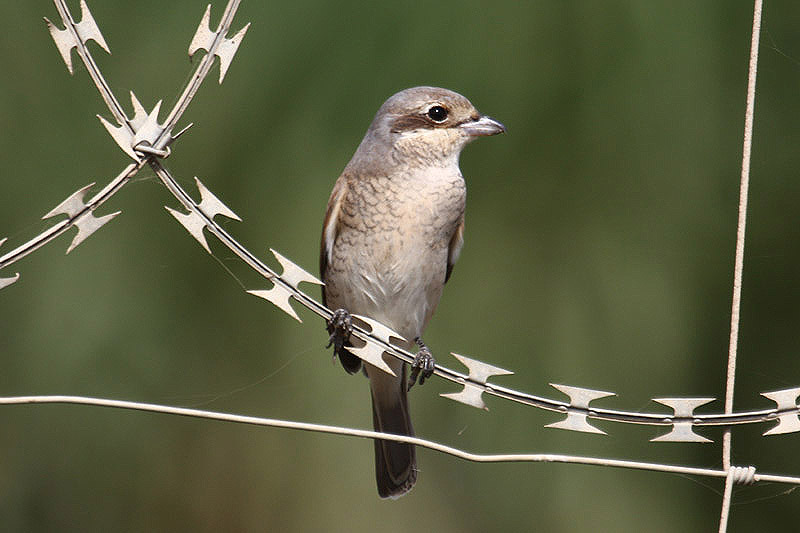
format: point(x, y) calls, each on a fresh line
point(392, 233)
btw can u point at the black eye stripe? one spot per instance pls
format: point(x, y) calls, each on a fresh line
point(434, 117)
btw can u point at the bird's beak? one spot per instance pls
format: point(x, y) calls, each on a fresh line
point(482, 127)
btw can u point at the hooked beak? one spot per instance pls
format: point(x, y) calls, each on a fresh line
point(482, 127)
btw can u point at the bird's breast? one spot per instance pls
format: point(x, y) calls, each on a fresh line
point(390, 256)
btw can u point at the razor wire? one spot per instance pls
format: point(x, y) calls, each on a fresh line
point(147, 141)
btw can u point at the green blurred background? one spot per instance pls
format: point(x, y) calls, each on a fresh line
point(599, 253)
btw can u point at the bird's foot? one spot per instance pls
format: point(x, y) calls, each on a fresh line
point(340, 326)
point(423, 364)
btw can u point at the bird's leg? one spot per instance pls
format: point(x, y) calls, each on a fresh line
point(423, 364)
point(340, 326)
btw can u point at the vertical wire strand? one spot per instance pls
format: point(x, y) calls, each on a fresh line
point(747, 146)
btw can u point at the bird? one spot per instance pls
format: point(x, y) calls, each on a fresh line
point(393, 230)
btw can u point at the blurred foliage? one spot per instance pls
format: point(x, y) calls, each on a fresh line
point(599, 253)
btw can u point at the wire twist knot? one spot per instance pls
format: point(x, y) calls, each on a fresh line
point(743, 475)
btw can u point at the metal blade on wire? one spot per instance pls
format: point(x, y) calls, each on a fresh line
point(5, 282)
point(479, 374)
point(286, 285)
point(371, 352)
point(72, 207)
point(143, 128)
point(786, 410)
point(215, 44)
point(209, 205)
point(204, 39)
point(682, 422)
point(75, 35)
point(579, 400)
point(80, 215)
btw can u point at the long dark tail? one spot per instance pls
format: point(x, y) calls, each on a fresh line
point(395, 462)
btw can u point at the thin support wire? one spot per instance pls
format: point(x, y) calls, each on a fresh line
point(743, 475)
point(747, 147)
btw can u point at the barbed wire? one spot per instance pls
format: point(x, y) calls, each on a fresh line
point(147, 141)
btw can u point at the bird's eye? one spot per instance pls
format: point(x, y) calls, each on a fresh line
point(437, 113)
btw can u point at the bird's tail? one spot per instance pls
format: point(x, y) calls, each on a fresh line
point(395, 462)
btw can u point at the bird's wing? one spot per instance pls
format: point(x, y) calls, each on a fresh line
point(330, 228)
point(454, 249)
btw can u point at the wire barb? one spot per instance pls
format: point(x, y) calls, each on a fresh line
point(80, 215)
point(479, 373)
point(143, 128)
point(372, 352)
point(579, 399)
point(75, 35)
point(683, 419)
point(204, 39)
point(285, 286)
point(5, 282)
point(786, 411)
point(211, 206)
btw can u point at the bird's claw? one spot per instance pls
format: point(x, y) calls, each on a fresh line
point(423, 365)
point(340, 326)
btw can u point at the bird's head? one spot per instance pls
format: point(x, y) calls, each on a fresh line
point(426, 126)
